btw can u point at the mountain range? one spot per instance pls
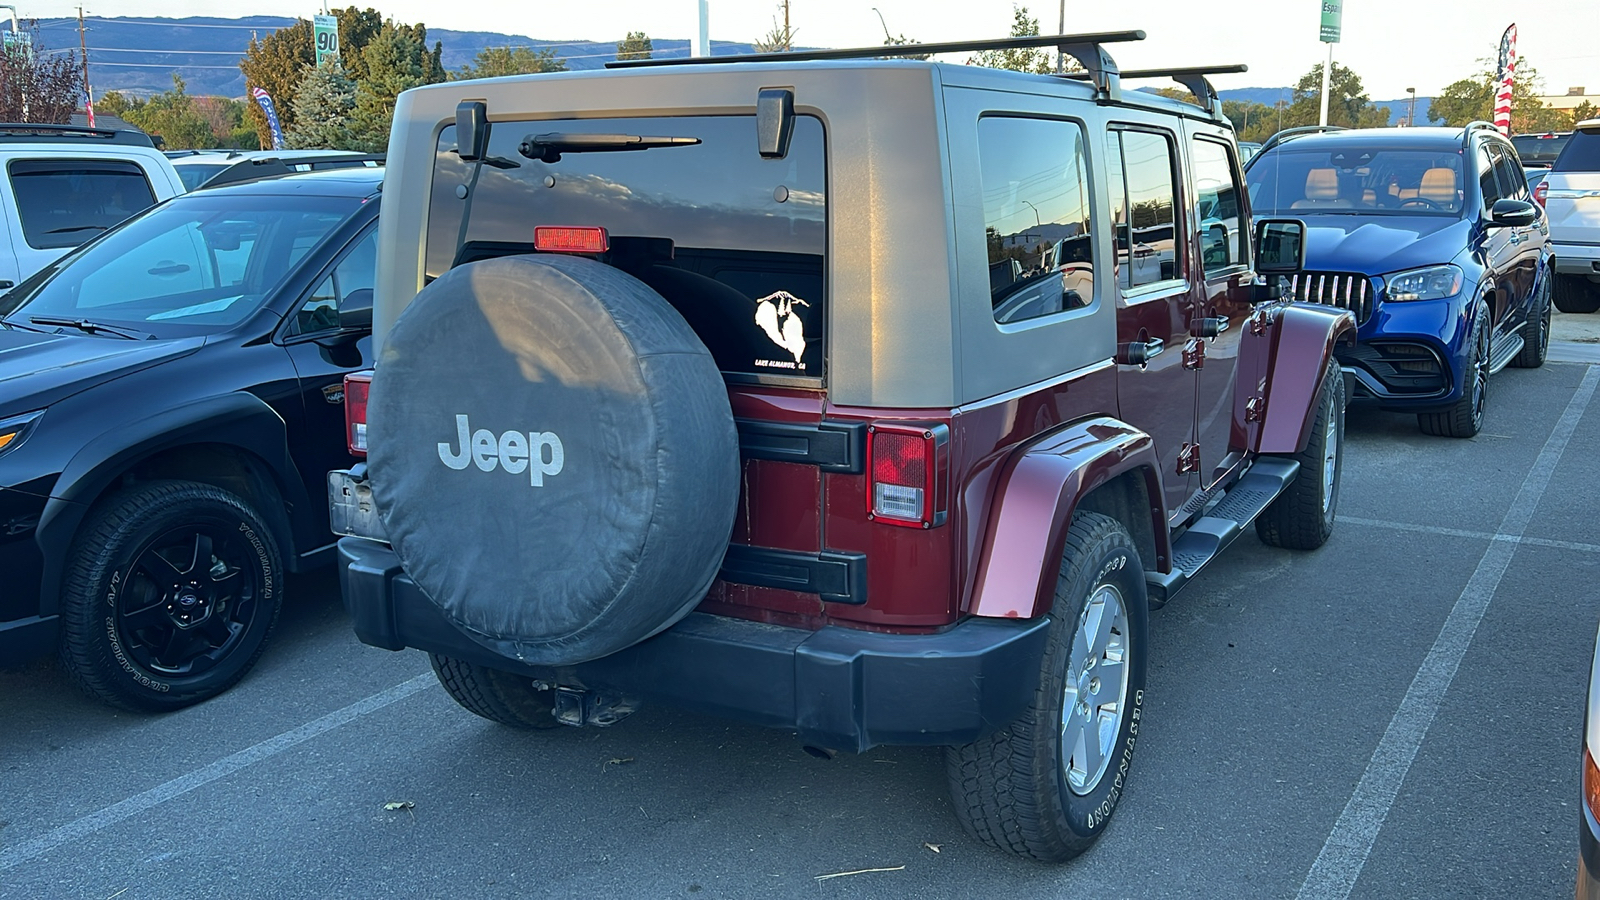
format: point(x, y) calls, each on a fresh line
point(139, 55)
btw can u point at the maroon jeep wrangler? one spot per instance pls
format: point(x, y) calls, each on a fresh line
point(873, 399)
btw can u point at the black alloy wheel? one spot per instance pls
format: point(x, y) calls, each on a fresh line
point(1464, 418)
point(171, 592)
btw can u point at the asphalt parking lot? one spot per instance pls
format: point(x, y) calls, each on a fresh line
point(1395, 715)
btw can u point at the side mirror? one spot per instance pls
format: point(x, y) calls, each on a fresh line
point(1280, 246)
point(472, 129)
point(356, 310)
point(1510, 213)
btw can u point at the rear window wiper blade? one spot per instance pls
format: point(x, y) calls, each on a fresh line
point(549, 147)
point(88, 327)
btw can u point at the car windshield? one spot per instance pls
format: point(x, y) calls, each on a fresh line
point(1290, 181)
point(201, 261)
point(196, 174)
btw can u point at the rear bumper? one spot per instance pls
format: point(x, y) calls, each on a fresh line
point(1576, 259)
point(838, 687)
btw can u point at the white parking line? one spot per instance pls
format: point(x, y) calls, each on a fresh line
point(1479, 535)
point(223, 767)
point(1345, 852)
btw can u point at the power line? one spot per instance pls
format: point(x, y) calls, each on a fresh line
point(161, 50)
point(162, 66)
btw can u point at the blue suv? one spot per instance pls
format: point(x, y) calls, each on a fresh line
point(1430, 237)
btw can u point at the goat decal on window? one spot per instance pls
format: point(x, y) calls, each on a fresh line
point(777, 316)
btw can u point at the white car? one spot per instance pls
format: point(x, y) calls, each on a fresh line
point(1572, 202)
point(63, 185)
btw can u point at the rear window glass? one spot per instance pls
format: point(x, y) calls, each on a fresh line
point(1539, 148)
point(1582, 153)
point(65, 202)
point(732, 240)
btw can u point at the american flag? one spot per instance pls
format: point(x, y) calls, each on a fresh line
point(1508, 69)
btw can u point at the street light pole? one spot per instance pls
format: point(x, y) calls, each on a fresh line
point(16, 28)
point(886, 38)
point(702, 42)
point(1411, 117)
point(1061, 58)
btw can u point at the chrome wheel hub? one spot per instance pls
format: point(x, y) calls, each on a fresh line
point(1330, 461)
point(1096, 688)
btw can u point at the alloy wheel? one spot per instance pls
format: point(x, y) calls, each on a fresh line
point(189, 598)
point(1095, 690)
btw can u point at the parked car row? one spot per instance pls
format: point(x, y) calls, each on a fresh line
point(660, 416)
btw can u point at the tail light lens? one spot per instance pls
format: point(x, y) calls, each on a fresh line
point(1591, 782)
point(570, 239)
point(1539, 192)
point(356, 387)
point(906, 463)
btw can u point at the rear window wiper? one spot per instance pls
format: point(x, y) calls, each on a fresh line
point(549, 147)
point(88, 327)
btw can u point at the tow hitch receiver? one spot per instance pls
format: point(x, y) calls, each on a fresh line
point(578, 707)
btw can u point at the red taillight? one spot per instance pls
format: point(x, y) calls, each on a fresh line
point(1540, 191)
point(356, 386)
point(570, 239)
point(903, 465)
point(1591, 782)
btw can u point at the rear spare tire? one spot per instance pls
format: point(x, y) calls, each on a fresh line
point(553, 456)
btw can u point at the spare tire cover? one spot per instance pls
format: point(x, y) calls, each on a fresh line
point(553, 456)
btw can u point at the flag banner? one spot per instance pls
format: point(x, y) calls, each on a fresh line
point(1503, 80)
point(265, 99)
point(88, 108)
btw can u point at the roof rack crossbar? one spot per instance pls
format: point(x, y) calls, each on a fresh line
point(1192, 77)
point(1289, 134)
point(1086, 48)
point(34, 131)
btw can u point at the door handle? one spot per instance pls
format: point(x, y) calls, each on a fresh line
point(1139, 353)
point(7, 285)
point(1209, 327)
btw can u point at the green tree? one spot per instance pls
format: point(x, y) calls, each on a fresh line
point(493, 62)
point(111, 103)
point(38, 86)
point(1584, 110)
point(779, 40)
point(1251, 121)
point(1036, 60)
point(323, 103)
point(398, 59)
point(174, 117)
point(1348, 103)
point(635, 46)
point(1472, 99)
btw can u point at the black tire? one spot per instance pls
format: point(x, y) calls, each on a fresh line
point(1302, 516)
point(1536, 337)
point(1464, 418)
point(1576, 294)
point(1012, 790)
point(148, 623)
point(495, 695)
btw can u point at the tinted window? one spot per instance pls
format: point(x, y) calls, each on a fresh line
point(63, 203)
point(1513, 183)
point(735, 242)
point(1539, 148)
point(1035, 216)
point(198, 261)
point(1216, 181)
point(195, 174)
point(348, 286)
point(1287, 181)
point(1143, 208)
point(1488, 184)
point(1582, 153)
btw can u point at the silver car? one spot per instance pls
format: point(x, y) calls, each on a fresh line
point(1572, 202)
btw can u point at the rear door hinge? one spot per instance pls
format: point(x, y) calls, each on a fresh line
point(1189, 459)
point(1254, 407)
point(1194, 354)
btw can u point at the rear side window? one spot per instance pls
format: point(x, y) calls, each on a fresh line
point(1035, 216)
point(734, 241)
point(1222, 228)
point(65, 202)
point(1144, 202)
point(1513, 183)
point(1582, 153)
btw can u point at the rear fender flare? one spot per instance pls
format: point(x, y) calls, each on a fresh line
point(238, 420)
point(1303, 337)
point(1036, 497)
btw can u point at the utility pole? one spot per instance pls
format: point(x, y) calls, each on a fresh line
point(1061, 57)
point(788, 40)
point(83, 45)
point(702, 42)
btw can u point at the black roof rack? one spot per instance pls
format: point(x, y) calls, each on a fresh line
point(16, 132)
point(1192, 77)
point(1085, 48)
point(1289, 134)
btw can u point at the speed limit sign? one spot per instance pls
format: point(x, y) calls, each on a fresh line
point(326, 29)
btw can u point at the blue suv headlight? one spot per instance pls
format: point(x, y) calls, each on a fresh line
point(1432, 283)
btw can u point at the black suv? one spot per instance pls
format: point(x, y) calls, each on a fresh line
point(173, 400)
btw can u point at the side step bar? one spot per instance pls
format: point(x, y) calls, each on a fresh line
point(1504, 350)
point(1213, 532)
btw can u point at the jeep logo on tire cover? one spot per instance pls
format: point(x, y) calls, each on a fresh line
point(513, 451)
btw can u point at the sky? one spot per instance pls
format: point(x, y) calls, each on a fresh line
point(1391, 44)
